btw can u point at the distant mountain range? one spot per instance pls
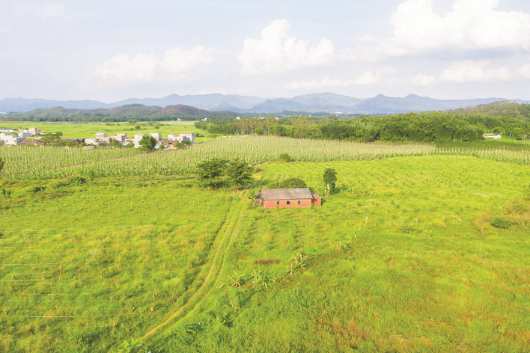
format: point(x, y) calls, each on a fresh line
point(310, 103)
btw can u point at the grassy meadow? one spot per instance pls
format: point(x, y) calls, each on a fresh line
point(89, 130)
point(419, 250)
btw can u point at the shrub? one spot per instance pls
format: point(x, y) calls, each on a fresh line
point(500, 222)
point(285, 157)
point(288, 183)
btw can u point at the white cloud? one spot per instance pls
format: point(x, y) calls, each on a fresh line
point(324, 83)
point(179, 60)
point(147, 67)
point(276, 52)
point(5, 30)
point(424, 80)
point(525, 71)
point(473, 71)
point(382, 75)
point(471, 25)
point(123, 67)
point(52, 10)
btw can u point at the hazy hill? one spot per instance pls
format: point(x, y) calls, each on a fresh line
point(180, 109)
point(310, 103)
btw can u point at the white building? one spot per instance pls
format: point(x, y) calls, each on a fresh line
point(101, 136)
point(13, 140)
point(156, 135)
point(92, 142)
point(34, 131)
point(182, 137)
point(24, 134)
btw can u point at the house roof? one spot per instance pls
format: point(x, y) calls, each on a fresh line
point(285, 194)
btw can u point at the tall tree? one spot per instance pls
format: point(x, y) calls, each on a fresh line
point(147, 143)
point(211, 172)
point(330, 178)
point(238, 172)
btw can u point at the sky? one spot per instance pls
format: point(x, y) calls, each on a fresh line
point(110, 50)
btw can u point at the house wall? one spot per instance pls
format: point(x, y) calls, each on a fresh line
point(317, 201)
point(283, 203)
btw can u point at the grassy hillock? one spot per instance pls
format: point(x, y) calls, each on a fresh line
point(502, 108)
point(418, 250)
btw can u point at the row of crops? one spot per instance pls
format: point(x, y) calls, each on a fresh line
point(44, 163)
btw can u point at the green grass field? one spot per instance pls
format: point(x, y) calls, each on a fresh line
point(89, 130)
point(402, 258)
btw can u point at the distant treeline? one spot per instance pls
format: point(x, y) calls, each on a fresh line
point(109, 119)
point(424, 127)
point(503, 108)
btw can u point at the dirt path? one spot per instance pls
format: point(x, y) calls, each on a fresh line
point(233, 220)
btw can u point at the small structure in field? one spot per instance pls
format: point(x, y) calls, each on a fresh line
point(284, 198)
point(491, 136)
point(88, 148)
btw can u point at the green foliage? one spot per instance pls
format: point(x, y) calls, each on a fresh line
point(288, 183)
point(238, 172)
point(500, 222)
point(285, 157)
point(330, 179)
point(1, 164)
point(211, 172)
point(51, 137)
point(147, 143)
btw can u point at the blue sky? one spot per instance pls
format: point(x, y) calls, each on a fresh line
point(117, 49)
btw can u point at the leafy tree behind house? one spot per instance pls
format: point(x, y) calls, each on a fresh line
point(147, 143)
point(288, 184)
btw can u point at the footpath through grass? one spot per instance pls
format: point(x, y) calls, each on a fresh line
point(394, 261)
point(402, 258)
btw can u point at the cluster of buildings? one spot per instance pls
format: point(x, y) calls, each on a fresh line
point(122, 139)
point(10, 137)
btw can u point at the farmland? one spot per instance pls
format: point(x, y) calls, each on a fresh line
point(100, 249)
point(89, 130)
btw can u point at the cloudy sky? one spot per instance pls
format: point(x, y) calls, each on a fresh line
point(115, 49)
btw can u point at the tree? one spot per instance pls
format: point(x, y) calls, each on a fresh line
point(147, 143)
point(518, 133)
point(211, 172)
point(284, 157)
point(51, 137)
point(239, 172)
point(330, 178)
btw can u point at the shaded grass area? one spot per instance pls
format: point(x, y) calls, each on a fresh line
point(393, 262)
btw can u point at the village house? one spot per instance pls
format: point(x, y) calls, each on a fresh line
point(491, 136)
point(182, 137)
point(285, 198)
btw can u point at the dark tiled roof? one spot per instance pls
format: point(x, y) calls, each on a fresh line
point(285, 194)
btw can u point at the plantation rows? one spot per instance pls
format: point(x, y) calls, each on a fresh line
point(45, 163)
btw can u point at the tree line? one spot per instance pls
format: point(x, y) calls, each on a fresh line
point(424, 127)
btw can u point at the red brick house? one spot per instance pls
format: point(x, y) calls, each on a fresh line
point(284, 198)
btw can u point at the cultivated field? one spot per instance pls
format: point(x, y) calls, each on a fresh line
point(89, 130)
point(424, 251)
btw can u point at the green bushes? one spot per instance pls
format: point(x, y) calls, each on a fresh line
point(288, 183)
point(500, 222)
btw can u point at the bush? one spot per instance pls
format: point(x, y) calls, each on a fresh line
point(500, 222)
point(285, 157)
point(288, 183)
